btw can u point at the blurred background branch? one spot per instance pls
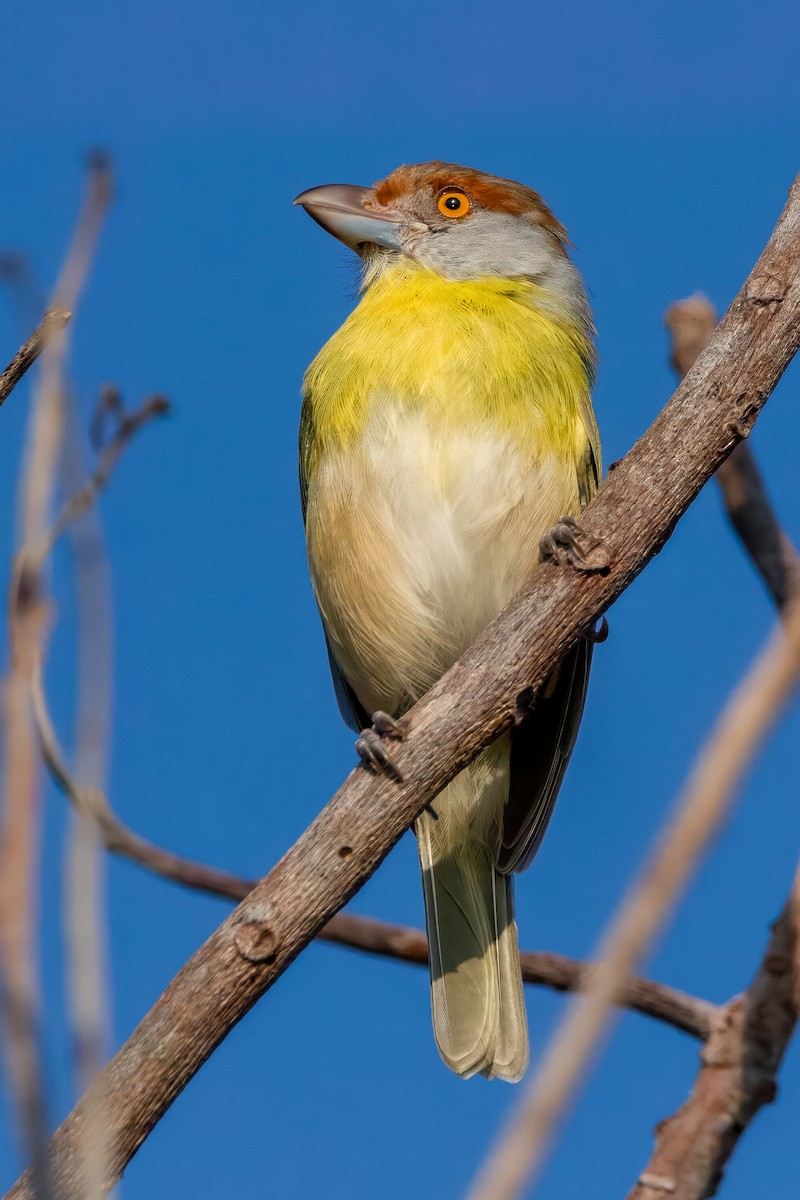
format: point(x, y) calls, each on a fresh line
point(28, 622)
point(691, 323)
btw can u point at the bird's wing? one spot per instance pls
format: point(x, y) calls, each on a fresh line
point(540, 750)
point(353, 712)
point(305, 439)
point(542, 744)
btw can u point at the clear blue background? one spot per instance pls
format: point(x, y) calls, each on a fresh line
point(665, 137)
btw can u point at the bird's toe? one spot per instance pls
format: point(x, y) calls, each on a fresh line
point(568, 545)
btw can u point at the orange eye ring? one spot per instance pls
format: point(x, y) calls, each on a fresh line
point(453, 203)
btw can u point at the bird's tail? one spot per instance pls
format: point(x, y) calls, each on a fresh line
point(479, 1018)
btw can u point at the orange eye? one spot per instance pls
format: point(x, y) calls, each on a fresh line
point(453, 204)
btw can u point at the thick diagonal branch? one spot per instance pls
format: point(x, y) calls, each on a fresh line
point(482, 695)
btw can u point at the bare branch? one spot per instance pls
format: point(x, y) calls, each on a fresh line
point(54, 320)
point(89, 987)
point(27, 624)
point(691, 323)
point(48, 412)
point(738, 1074)
point(117, 837)
point(128, 425)
point(751, 514)
point(482, 695)
point(83, 930)
point(18, 899)
point(84, 908)
point(78, 260)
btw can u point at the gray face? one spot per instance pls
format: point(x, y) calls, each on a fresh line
point(483, 243)
point(479, 244)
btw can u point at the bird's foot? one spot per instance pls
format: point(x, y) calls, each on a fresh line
point(371, 745)
point(567, 545)
point(371, 749)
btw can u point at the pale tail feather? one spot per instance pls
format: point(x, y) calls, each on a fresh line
point(479, 1015)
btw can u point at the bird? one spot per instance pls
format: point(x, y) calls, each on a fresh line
point(447, 443)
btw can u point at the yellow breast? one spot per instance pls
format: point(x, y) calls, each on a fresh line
point(491, 350)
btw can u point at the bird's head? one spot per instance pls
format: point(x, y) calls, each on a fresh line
point(459, 222)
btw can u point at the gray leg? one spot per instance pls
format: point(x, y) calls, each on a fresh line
point(371, 745)
point(371, 749)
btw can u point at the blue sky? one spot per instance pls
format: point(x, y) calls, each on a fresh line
point(665, 137)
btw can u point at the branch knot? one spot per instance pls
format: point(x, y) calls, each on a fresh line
point(256, 937)
point(765, 288)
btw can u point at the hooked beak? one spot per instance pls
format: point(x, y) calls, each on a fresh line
point(339, 209)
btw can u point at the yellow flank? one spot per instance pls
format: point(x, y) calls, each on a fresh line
point(496, 351)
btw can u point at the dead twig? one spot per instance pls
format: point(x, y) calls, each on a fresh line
point(83, 906)
point(128, 425)
point(19, 860)
point(691, 323)
point(47, 418)
point(53, 321)
point(27, 624)
point(88, 981)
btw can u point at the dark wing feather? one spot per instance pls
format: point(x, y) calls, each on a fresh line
point(353, 712)
point(306, 440)
point(540, 750)
point(542, 744)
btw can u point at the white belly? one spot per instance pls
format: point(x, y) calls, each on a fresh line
point(417, 537)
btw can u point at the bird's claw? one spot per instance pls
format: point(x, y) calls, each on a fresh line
point(371, 747)
point(567, 545)
point(598, 633)
point(386, 726)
